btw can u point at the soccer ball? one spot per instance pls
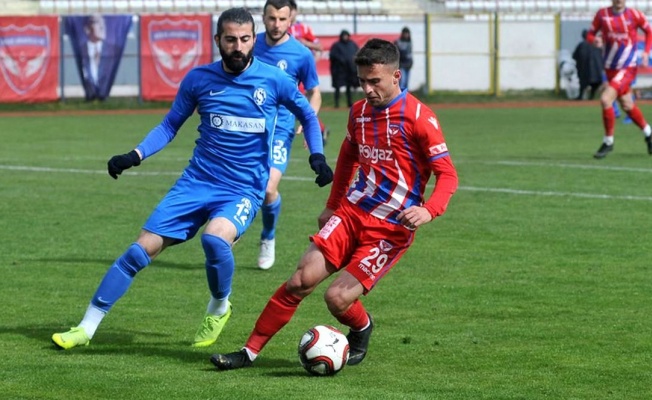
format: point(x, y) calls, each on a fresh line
point(323, 350)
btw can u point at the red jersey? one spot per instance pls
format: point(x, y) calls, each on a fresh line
point(302, 31)
point(620, 36)
point(393, 152)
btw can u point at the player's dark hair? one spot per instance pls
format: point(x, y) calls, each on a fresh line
point(293, 5)
point(278, 4)
point(239, 15)
point(377, 51)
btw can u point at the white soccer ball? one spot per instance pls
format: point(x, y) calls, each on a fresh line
point(323, 350)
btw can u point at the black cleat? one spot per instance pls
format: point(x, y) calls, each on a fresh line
point(238, 359)
point(648, 141)
point(358, 343)
point(604, 150)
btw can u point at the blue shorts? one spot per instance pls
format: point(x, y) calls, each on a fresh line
point(191, 203)
point(281, 148)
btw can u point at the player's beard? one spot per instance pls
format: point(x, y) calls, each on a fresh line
point(236, 61)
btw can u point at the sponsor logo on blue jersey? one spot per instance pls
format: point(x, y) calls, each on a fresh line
point(238, 124)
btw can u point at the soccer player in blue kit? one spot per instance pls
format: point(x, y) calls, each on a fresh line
point(223, 186)
point(277, 47)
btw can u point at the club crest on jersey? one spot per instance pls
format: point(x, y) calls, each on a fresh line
point(24, 56)
point(385, 246)
point(393, 129)
point(176, 48)
point(260, 95)
point(282, 64)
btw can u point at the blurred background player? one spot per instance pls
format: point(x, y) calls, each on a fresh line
point(304, 34)
point(616, 28)
point(375, 206)
point(277, 47)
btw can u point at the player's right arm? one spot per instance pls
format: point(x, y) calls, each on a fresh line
point(162, 134)
point(347, 164)
point(592, 35)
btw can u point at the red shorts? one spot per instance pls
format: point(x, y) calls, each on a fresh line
point(364, 245)
point(621, 79)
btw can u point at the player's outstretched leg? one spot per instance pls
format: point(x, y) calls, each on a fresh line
point(603, 150)
point(73, 338)
point(235, 360)
point(359, 343)
point(211, 328)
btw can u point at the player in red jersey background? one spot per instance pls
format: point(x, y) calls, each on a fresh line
point(615, 29)
point(394, 144)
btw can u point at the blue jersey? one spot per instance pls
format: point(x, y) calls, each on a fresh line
point(238, 115)
point(298, 62)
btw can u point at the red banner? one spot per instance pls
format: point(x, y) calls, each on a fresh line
point(323, 64)
point(29, 59)
point(171, 45)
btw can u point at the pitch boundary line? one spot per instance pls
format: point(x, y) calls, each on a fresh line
point(306, 179)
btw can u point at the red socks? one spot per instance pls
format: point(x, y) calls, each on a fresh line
point(637, 116)
point(276, 314)
point(609, 120)
point(355, 317)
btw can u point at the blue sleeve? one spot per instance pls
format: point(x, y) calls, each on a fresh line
point(161, 135)
point(297, 103)
point(184, 105)
point(309, 76)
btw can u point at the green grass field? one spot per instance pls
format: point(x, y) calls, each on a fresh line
point(535, 285)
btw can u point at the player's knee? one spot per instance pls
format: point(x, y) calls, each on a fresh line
point(133, 260)
point(337, 304)
point(298, 286)
point(214, 246)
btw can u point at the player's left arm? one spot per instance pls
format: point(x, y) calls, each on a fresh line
point(645, 26)
point(430, 136)
point(298, 105)
point(308, 76)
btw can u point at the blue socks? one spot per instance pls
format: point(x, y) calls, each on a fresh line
point(119, 277)
point(270, 216)
point(219, 265)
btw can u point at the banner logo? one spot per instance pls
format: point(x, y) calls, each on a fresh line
point(176, 48)
point(24, 56)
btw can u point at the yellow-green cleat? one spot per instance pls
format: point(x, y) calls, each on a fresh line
point(73, 338)
point(211, 328)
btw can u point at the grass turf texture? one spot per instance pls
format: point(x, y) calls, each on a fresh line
point(534, 285)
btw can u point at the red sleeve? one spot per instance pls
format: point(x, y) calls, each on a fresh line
point(595, 28)
point(347, 163)
point(645, 26)
point(431, 138)
point(309, 35)
point(445, 185)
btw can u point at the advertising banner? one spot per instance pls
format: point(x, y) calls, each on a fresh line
point(29, 59)
point(98, 42)
point(171, 45)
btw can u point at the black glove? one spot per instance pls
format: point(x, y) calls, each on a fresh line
point(324, 172)
point(117, 164)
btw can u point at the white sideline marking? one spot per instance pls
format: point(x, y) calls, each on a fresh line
point(299, 178)
point(578, 166)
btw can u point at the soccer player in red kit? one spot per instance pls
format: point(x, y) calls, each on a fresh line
point(616, 28)
point(393, 144)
